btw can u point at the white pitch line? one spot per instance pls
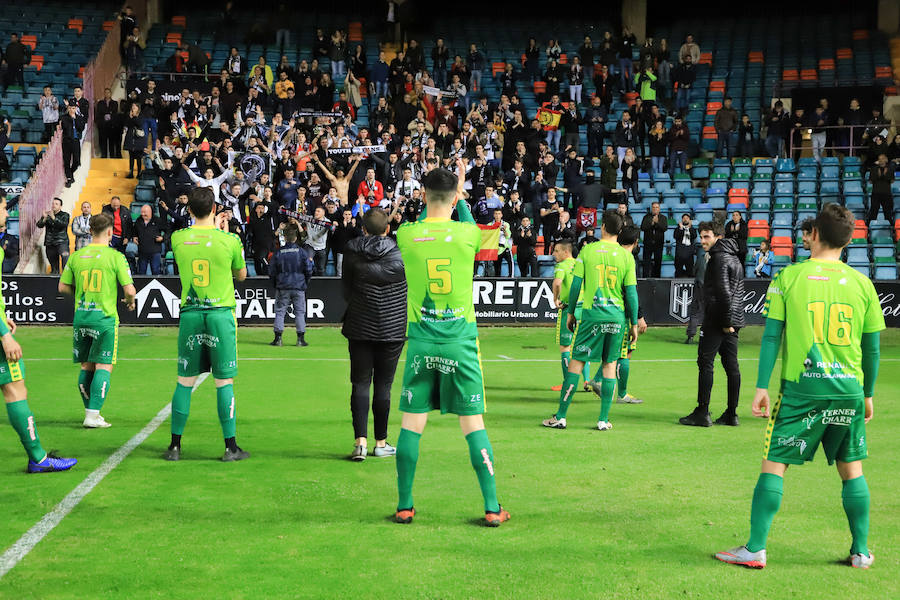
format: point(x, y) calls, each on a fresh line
point(505, 357)
point(487, 360)
point(39, 530)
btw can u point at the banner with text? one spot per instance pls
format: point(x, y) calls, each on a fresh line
point(34, 300)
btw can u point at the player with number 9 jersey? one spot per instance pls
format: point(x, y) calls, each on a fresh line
point(207, 336)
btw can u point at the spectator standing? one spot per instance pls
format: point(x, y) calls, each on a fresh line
point(576, 80)
point(122, 224)
point(525, 239)
point(663, 66)
point(105, 115)
point(604, 86)
point(654, 226)
point(317, 239)
point(379, 75)
point(746, 145)
point(72, 134)
point(337, 54)
point(532, 60)
point(645, 84)
point(127, 24)
point(504, 246)
point(440, 56)
point(261, 230)
point(135, 44)
point(17, 55)
point(679, 141)
point(726, 124)
point(345, 231)
point(147, 233)
point(49, 107)
point(630, 173)
point(625, 136)
point(595, 117)
point(609, 168)
point(736, 229)
point(689, 50)
point(374, 285)
point(135, 141)
point(81, 226)
point(722, 321)
point(777, 122)
point(626, 58)
point(764, 261)
point(685, 74)
point(587, 52)
point(658, 140)
point(290, 270)
point(685, 236)
point(819, 134)
point(881, 177)
point(10, 246)
point(56, 237)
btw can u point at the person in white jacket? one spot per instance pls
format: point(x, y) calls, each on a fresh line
point(212, 182)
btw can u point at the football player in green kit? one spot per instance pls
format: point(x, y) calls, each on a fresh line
point(209, 258)
point(827, 318)
point(12, 383)
point(93, 275)
point(562, 281)
point(610, 302)
point(443, 361)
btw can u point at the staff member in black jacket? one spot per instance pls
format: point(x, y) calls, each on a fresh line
point(374, 284)
point(290, 270)
point(56, 239)
point(723, 291)
point(72, 125)
point(685, 237)
point(654, 226)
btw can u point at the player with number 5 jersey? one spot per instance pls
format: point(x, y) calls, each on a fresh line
point(209, 258)
point(92, 275)
point(829, 317)
point(443, 361)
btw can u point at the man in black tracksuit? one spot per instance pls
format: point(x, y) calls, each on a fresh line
point(290, 270)
point(723, 292)
point(72, 126)
point(374, 285)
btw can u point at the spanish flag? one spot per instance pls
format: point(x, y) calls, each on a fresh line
point(490, 242)
point(549, 119)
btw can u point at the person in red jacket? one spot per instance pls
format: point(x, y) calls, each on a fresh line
point(371, 189)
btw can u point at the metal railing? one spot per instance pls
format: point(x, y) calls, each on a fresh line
point(851, 148)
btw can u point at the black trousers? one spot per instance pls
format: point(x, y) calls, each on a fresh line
point(108, 141)
point(71, 154)
point(372, 361)
point(49, 129)
point(528, 264)
point(652, 261)
point(505, 256)
point(684, 261)
point(885, 202)
point(57, 256)
point(695, 311)
point(715, 341)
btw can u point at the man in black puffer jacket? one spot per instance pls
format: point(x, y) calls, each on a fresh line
point(723, 293)
point(374, 284)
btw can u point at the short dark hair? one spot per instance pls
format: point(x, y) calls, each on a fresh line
point(440, 186)
point(291, 233)
point(201, 202)
point(688, 215)
point(714, 226)
point(565, 243)
point(629, 235)
point(835, 225)
point(375, 221)
point(100, 223)
point(612, 222)
point(806, 226)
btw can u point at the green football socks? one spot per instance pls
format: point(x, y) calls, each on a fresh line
point(22, 420)
point(407, 457)
point(564, 362)
point(99, 389)
point(181, 407)
point(84, 386)
point(225, 403)
point(622, 372)
point(607, 389)
point(598, 377)
point(855, 496)
point(766, 500)
point(570, 383)
point(482, 456)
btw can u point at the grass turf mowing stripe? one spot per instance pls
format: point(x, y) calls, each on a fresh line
point(39, 530)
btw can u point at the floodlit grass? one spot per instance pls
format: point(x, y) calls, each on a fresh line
point(636, 512)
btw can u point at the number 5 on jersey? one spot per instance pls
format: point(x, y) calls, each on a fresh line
point(438, 276)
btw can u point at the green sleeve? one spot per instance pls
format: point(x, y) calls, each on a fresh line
point(465, 213)
point(123, 271)
point(574, 292)
point(871, 353)
point(68, 275)
point(4, 328)
point(631, 303)
point(768, 351)
point(237, 257)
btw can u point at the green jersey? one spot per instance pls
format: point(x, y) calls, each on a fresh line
point(205, 257)
point(606, 269)
point(565, 271)
point(439, 257)
point(94, 271)
point(826, 307)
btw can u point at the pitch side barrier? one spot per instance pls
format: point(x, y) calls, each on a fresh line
point(34, 300)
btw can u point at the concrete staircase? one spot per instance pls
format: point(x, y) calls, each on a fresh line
point(105, 179)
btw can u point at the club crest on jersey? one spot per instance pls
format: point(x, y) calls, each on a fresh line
point(681, 294)
point(416, 364)
point(810, 419)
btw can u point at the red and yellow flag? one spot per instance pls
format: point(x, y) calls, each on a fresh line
point(490, 242)
point(549, 119)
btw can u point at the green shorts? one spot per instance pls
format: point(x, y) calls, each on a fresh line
point(563, 335)
point(798, 426)
point(443, 376)
point(207, 340)
point(95, 338)
point(11, 372)
point(627, 345)
point(595, 341)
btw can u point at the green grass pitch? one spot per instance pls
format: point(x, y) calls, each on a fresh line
point(633, 513)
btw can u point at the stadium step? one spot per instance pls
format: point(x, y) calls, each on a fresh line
point(105, 179)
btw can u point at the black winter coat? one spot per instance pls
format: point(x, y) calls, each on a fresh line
point(374, 285)
point(723, 286)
